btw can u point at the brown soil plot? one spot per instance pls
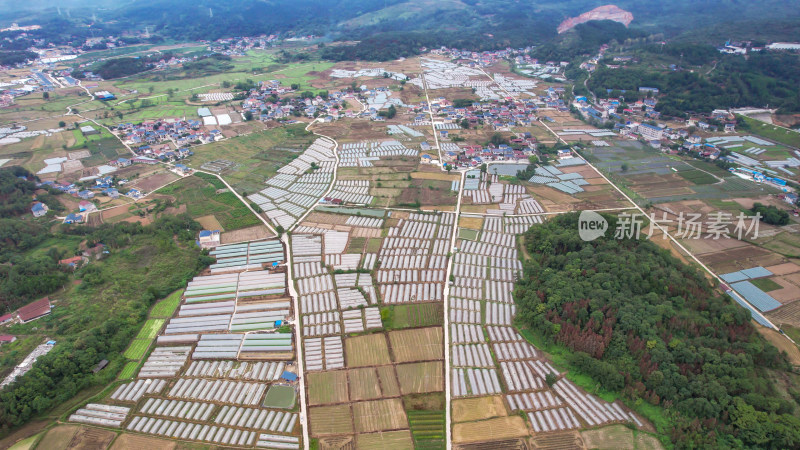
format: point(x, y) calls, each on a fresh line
point(327, 387)
point(390, 439)
point(470, 409)
point(330, 420)
point(489, 430)
point(388, 381)
point(363, 351)
point(364, 384)
point(379, 415)
point(420, 344)
point(131, 441)
point(91, 438)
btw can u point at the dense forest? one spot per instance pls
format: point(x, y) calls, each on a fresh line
point(641, 323)
point(584, 39)
point(98, 318)
point(122, 67)
point(760, 80)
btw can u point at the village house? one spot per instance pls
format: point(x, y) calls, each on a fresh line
point(39, 209)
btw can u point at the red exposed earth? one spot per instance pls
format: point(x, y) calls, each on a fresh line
point(606, 12)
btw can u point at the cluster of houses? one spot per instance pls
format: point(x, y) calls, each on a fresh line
point(181, 132)
point(470, 156)
point(500, 115)
point(264, 103)
point(237, 46)
point(486, 58)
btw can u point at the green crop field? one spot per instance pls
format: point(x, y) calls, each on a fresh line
point(167, 306)
point(201, 199)
point(150, 329)
point(427, 429)
point(697, 176)
point(128, 371)
point(137, 349)
point(418, 315)
point(279, 396)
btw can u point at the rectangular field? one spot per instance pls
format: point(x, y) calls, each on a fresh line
point(364, 384)
point(417, 315)
point(363, 351)
point(137, 349)
point(326, 420)
point(419, 378)
point(327, 387)
point(419, 344)
point(388, 381)
point(391, 439)
point(128, 371)
point(490, 430)
point(427, 429)
point(379, 415)
point(150, 329)
point(470, 409)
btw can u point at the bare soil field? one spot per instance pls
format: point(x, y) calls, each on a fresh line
point(91, 438)
point(424, 174)
point(474, 223)
point(490, 430)
point(787, 314)
point(471, 409)
point(253, 233)
point(132, 441)
point(784, 269)
point(565, 439)
point(369, 350)
point(154, 181)
point(418, 344)
point(379, 415)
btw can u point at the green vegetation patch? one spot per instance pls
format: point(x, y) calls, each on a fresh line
point(466, 233)
point(202, 194)
point(766, 284)
point(280, 396)
point(628, 334)
point(427, 429)
point(150, 329)
point(166, 308)
point(416, 315)
point(137, 349)
point(697, 177)
point(129, 370)
point(769, 131)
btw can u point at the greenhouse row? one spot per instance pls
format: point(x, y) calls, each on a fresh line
point(332, 358)
point(222, 391)
point(532, 401)
point(132, 392)
point(404, 293)
point(474, 355)
point(178, 409)
point(260, 419)
point(103, 415)
point(191, 431)
point(165, 362)
point(475, 382)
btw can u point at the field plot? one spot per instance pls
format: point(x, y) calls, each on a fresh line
point(205, 195)
point(137, 349)
point(379, 415)
point(427, 429)
point(420, 344)
point(132, 441)
point(364, 384)
point(400, 440)
point(326, 420)
point(128, 371)
point(166, 307)
point(58, 438)
point(490, 430)
point(388, 380)
point(91, 438)
point(150, 329)
point(480, 408)
point(327, 387)
point(370, 350)
point(417, 315)
point(418, 378)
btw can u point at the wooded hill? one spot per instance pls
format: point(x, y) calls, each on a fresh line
point(641, 323)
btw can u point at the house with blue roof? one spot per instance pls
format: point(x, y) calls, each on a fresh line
point(73, 218)
point(39, 209)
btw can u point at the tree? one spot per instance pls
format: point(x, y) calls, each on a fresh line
point(46, 95)
point(248, 115)
point(61, 124)
point(280, 230)
point(464, 123)
point(624, 167)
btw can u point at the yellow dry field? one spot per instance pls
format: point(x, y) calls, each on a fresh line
point(90, 438)
point(326, 420)
point(388, 381)
point(400, 440)
point(131, 441)
point(327, 387)
point(210, 222)
point(363, 351)
point(474, 223)
point(419, 378)
point(471, 409)
point(253, 233)
point(490, 430)
point(364, 384)
point(611, 437)
point(379, 415)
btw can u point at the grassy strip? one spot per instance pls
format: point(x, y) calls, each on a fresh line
point(777, 134)
point(165, 308)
